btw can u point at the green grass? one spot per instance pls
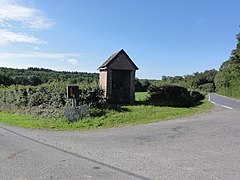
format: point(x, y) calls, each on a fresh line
point(130, 115)
point(141, 96)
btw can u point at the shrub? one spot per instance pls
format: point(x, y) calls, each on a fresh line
point(92, 97)
point(175, 96)
point(47, 100)
point(197, 96)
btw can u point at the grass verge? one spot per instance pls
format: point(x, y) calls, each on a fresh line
point(131, 115)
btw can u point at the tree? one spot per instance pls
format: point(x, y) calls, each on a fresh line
point(34, 80)
point(23, 80)
point(37, 76)
point(228, 79)
point(138, 85)
point(145, 84)
point(6, 81)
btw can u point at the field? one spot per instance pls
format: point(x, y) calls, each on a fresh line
point(141, 96)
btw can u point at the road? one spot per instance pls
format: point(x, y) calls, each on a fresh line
point(224, 102)
point(204, 146)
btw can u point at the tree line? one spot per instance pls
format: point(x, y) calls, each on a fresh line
point(37, 76)
point(200, 81)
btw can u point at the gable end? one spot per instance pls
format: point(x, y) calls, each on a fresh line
point(113, 57)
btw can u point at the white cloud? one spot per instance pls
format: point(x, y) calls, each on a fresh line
point(16, 19)
point(11, 37)
point(13, 64)
point(11, 11)
point(73, 61)
point(38, 55)
point(56, 61)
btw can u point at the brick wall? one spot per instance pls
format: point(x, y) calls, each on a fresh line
point(105, 77)
point(103, 81)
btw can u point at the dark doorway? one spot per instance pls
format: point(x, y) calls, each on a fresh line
point(121, 86)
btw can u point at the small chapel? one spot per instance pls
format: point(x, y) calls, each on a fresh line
point(117, 78)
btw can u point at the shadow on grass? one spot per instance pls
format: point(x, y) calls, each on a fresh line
point(169, 103)
point(98, 112)
point(117, 108)
point(107, 108)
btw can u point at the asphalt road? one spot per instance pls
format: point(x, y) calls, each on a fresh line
point(224, 102)
point(204, 146)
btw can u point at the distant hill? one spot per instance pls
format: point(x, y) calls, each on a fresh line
point(36, 76)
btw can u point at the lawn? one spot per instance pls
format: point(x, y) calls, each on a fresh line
point(141, 96)
point(125, 115)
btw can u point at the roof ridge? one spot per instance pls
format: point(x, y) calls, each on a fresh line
point(113, 56)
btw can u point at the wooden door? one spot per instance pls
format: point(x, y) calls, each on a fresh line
point(121, 86)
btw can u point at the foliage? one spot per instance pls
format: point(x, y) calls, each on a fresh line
point(5, 80)
point(92, 96)
point(37, 100)
point(127, 115)
point(47, 100)
point(196, 96)
point(38, 76)
point(173, 96)
point(142, 85)
point(200, 81)
point(203, 81)
point(208, 87)
point(228, 79)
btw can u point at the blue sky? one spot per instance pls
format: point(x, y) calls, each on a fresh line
point(162, 37)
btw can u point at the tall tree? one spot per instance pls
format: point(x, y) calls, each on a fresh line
point(228, 79)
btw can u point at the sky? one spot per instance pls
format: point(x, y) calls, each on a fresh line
point(162, 37)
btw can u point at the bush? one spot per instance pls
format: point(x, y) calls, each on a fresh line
point(92, 96)
point(174, 96)
point(197, 96)
point(47, 100)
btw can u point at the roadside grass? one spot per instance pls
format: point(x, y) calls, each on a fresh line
point(28, 121)
point(129, 115)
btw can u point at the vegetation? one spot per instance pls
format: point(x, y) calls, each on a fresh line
point(42, 106)
point(203, 81)
point(111, 117)
point(46, 100)
point(228, 79)
point(173, 96)
point(36, 97)
point(38, 76)
point(141, 96)
point(142, 85)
